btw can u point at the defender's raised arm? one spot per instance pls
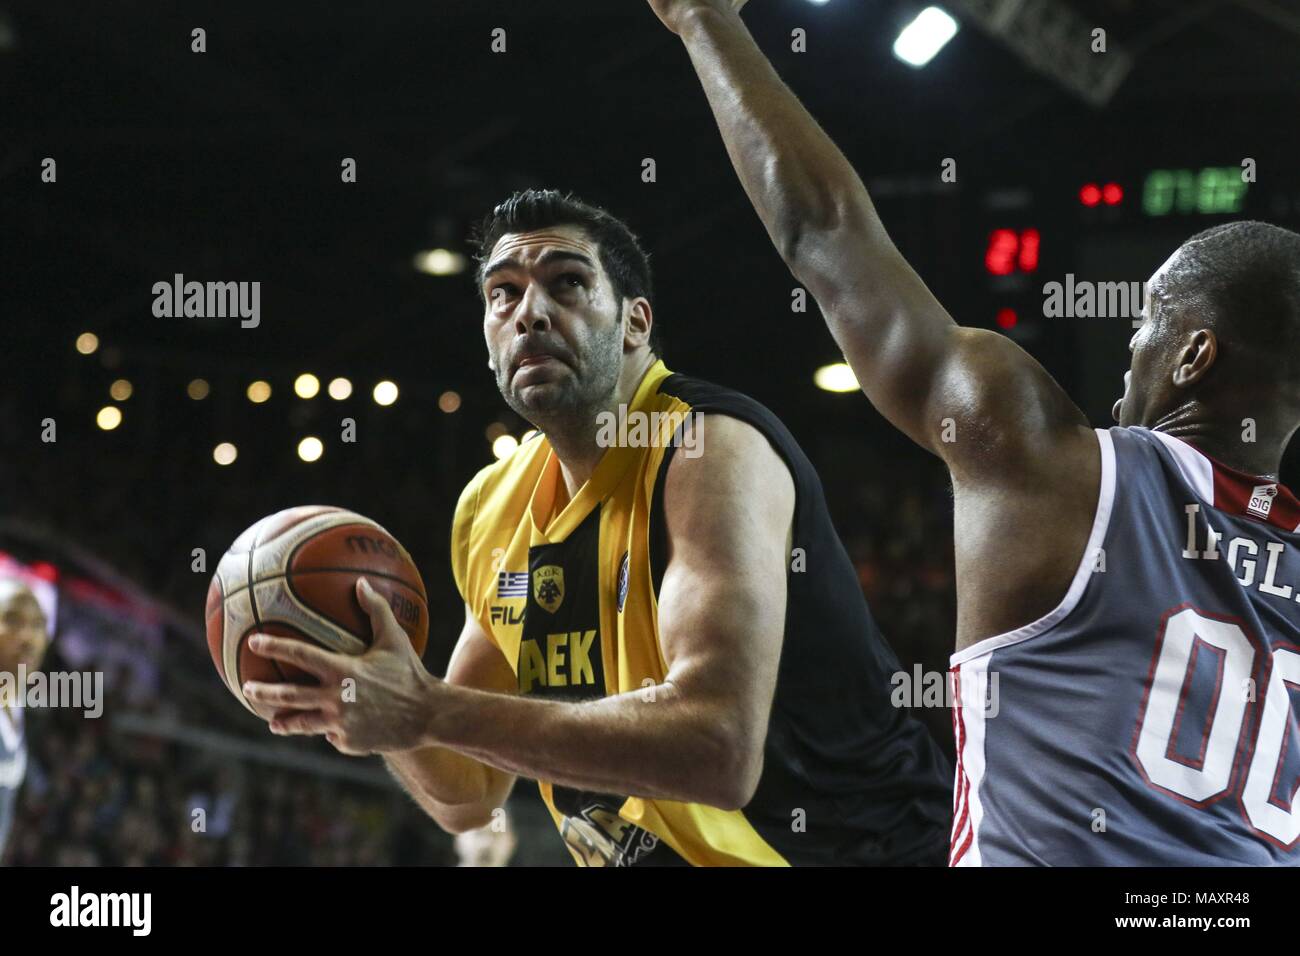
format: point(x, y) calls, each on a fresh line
point(915, 364)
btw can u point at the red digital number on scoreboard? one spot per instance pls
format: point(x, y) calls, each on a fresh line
point(1011, 251)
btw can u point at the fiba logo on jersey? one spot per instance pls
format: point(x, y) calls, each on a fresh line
point(1261, 500)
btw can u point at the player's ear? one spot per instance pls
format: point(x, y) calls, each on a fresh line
point(1197, 358)
point(640, 320)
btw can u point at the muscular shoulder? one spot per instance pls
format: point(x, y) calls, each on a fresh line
point(733, 480)
point(999, 415)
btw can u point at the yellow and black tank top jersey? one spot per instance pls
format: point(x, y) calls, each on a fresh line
point(569, 595)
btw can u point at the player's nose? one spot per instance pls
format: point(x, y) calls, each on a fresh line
point(532, 315)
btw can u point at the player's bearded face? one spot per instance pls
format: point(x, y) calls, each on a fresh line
point(554, 327)
point(561, 374)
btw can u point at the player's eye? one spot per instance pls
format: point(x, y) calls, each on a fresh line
point(573, 280)
point(506, 290)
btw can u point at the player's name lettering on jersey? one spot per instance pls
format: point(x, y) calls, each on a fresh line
point(563, 660)
point(1255, 564)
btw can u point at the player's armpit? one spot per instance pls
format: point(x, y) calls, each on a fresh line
point(729, 514)
point(995, 416)
point(459, 792)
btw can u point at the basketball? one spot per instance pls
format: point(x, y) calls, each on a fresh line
point(294, 574)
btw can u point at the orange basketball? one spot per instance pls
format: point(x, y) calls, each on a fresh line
point(294, 574)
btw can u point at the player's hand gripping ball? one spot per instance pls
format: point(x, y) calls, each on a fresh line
point(294, 574)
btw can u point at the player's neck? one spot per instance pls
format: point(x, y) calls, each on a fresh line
point(577, 448)
point(1252, 446)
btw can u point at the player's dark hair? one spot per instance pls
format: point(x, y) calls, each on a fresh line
point(1244, 277)
point(621, 255)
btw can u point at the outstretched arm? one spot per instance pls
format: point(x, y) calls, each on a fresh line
point(915, 364)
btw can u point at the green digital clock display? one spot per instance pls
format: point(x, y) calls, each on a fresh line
point(1214, 189)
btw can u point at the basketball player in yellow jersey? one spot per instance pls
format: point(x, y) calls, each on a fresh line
point(661, 626)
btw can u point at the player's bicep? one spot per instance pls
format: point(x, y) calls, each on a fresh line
point(477, 662)
point(722, 601)
point(894, 333)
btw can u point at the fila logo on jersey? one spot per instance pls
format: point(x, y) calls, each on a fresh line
point(509, 616)
point(1261, 500)
point(511, 585)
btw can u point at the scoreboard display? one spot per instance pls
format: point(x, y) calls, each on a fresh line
point(1082, 227)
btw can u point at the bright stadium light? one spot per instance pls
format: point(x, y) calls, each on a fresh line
point(306, 385)
point(925, 36)
point(259, 392)
point(385, 393)
point(440, 262)
point(198, 389)
point(504, 446)
point(835, 378)
point(87, 342)
point(449, 402)
point(310, 448)
point(120, 390)
point(109, 417)
point(225, 453)
point(340, 388)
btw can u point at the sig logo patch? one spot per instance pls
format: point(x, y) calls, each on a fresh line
point(622, 583)
point(548, 587)
point(1261, 500)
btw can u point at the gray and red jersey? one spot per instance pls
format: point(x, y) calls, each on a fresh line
point(1150, 719)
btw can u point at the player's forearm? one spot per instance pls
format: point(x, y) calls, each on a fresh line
point(459, 792)
point(644, 744)
point(809, 197)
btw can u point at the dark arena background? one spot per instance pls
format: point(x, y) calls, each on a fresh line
point(134, 448)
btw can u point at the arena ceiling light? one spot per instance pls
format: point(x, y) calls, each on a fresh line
point(440, 262)
point(837, 377)
point(109, 417)
point(310, 448)
point(924, 37)
point(306, 385)
point(504, 446)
